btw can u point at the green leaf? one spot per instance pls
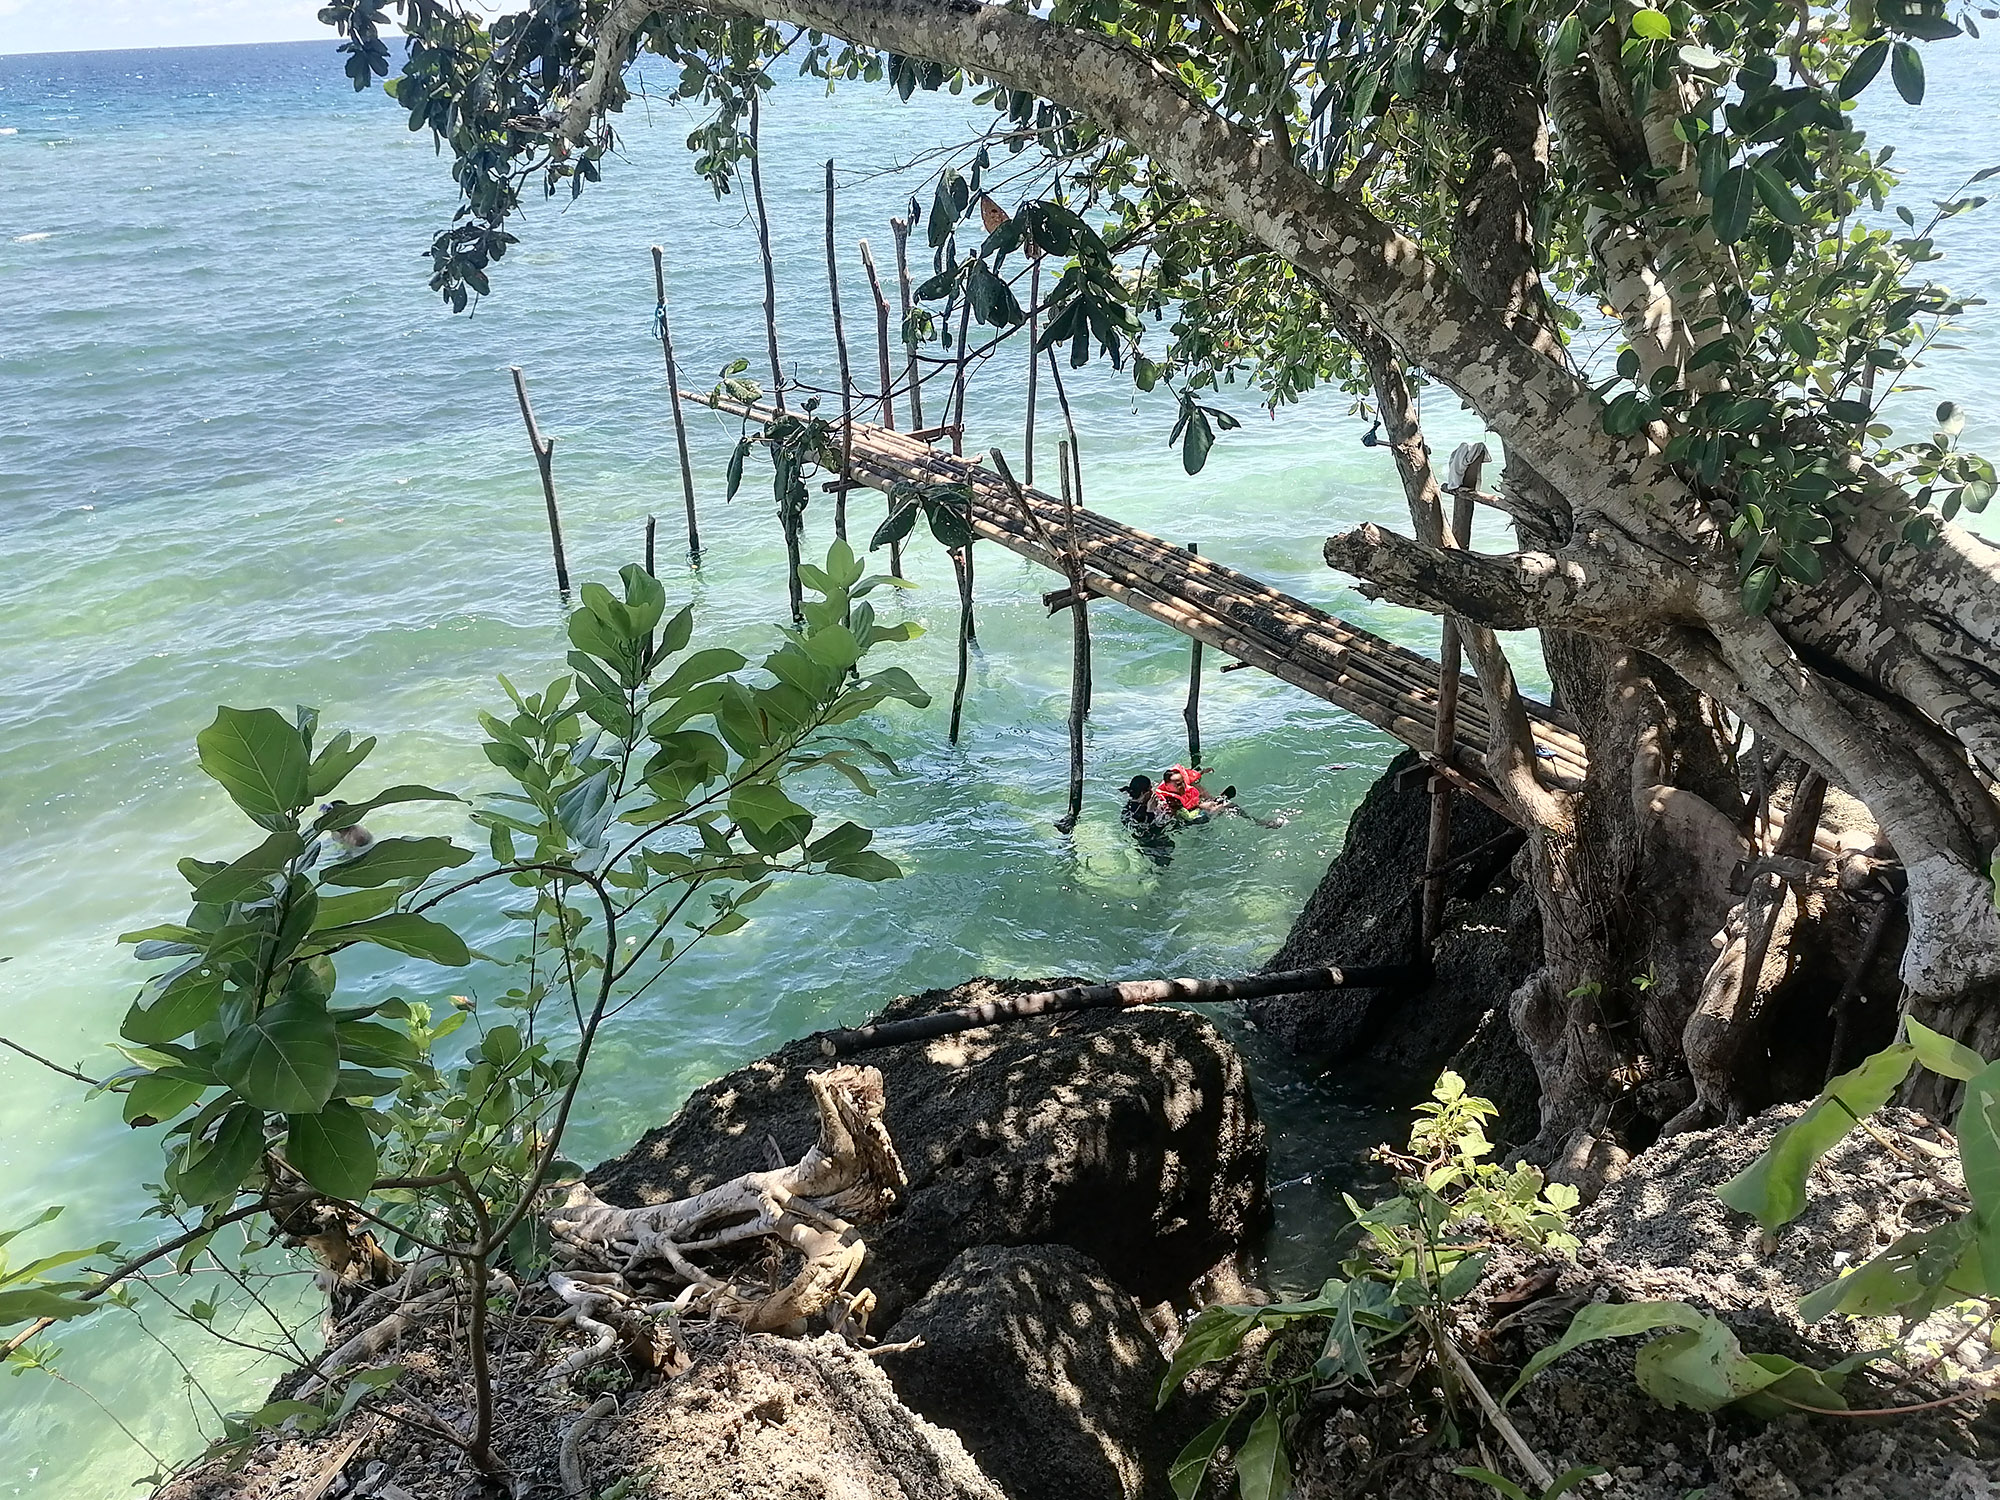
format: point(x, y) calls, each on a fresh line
point(347, 814)
point(584, 806)
point(241, 876)
point(403, 932)
point(1861, 72)
point(333, 1149)
point(1190, 1466)
point(947, 517)
point(388, 860)
point(285, 1058)
point(1759, 588)
point(1499, 1483)
point(259, 757)
point(1941, 1054)
point(1912, 1278)
point(216, 1170)
point(867, 865)
point(771, 821)
point(1979, 1152)
point(157, 1098)
point(1262, 1470)
point(1734, 196)
point(356, 906)
point(335, 762)
point(1773, 1187)
point(23, 1304)
point(1651, 25)
point(1216, 1333)
point(1777, 196)
point(703, 666)
point(187, 1002)
point(1906, 69)
point(1607, 1320)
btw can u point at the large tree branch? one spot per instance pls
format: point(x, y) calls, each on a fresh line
point(1514, 375)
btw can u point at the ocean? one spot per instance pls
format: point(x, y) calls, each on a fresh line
point(247, 458)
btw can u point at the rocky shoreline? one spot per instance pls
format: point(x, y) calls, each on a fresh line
point(1079, 1185)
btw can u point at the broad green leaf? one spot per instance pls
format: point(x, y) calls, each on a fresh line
point(404, 932)
point(23, 1304)
point(1263, 1472)
point(1777, 196)
point(866, 865)
point(1216, 1333)
point(584, 806)
point(355, 906)
point(712, 662)
point(259, 757)
point(1906, 69)
point(1500, 1484)
point(1941, 1054)
point(157, 1098)
point(241, 876)
point(1651, 25)
point(1703, 1368)
point(1734, 195)
point(284, 1059)
point(1773, 1187)
point(347, 814)
point(186, 1002)
point(218, 1167)
point(771, 821)
point(1607, 1320)
point(1911, 1279)
point(335, 762)
point(389, 860)
point(1190, 1466)
point(1979, 1153)
point(333, 1149)
point(1861, 72)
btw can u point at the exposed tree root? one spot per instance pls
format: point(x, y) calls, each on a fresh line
point(623, 1267)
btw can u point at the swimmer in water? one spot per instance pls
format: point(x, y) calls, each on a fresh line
point(351, 839)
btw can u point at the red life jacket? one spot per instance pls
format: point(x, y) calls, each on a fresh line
point(1187, 798)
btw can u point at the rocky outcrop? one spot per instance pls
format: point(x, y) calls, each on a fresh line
point(1364, 912)
point(1045, 1370)
point(786, 1419)
point(1128, 1136)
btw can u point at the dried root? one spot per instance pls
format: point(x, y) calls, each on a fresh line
point(626, 1263)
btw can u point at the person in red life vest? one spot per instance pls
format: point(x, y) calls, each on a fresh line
point(1179, 791)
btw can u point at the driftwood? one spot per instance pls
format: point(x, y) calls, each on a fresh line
point(1106, 996)
point(623, 1267)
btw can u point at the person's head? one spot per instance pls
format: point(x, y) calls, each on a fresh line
point(1176, 778)
point(1138, 788)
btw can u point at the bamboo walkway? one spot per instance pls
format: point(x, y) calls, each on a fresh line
point(1387, 685)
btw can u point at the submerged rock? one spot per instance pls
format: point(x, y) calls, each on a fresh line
point(1129, 1136)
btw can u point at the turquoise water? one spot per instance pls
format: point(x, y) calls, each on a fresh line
point(246, 457)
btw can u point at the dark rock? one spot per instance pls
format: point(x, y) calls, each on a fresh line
point(1129, 1135)
point(787, 1419)
point(1365, 911)
point(1045, 1370)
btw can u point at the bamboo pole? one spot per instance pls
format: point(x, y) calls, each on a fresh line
point(651, 525)
point(901, 229)
point(764, 251)
point(1444, 733)
point(1079, 638)
point(1191, 714)
point(1107, 996)
point(888, 413)
point(680, 423)
point(846, 372)
point(545, 448)
point(1034, 364)
point(961, 559)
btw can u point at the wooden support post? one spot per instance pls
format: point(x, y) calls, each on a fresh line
point(1079, 645)
point(651, 525)
point(961, 560)
point(764, 251)
point(1034, 364)
point(1192, 713)
point(901, 229)
point(1444, 738)
point(887, 415)
point(545, 448)
point(846, 371)
point(959, 370)
point(680, 423)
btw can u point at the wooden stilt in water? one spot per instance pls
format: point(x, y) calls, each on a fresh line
point(887, 415)
point(846, 372)
point(962, 558)
point(545, 448)
point(901, 229)
point(1034, 364)
point(764, 251)
point(1444, 738)
point(1192, 712)
point(651, 525)
point(1079, 637)
point(680, 423)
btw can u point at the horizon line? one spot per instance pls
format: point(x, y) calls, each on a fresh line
point(284, 41)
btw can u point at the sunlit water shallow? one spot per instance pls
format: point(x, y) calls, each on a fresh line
point(245, 457)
